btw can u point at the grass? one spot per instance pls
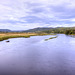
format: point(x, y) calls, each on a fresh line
point(5, 36)
point(50, 38)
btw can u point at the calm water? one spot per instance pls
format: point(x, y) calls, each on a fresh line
point(34, 56)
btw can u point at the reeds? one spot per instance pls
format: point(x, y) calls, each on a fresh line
point(50, 38)
point(5, 36)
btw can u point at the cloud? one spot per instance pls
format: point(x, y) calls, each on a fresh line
point(27, 14)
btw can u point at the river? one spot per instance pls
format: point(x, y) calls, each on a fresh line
point(35, 56)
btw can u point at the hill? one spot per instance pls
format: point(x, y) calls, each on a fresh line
point(64, 30)
point(5, 30)
point(38, 29)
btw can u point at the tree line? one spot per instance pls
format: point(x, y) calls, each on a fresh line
point(62, 30)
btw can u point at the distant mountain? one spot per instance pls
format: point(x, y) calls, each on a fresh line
point(5, 30)
point(30, 30)
point(38, 29)
point(43, 29)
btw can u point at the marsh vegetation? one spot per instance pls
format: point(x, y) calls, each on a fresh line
point(4, 36)
point(50, 38)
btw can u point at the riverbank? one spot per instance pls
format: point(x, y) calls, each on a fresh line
point(5, 36)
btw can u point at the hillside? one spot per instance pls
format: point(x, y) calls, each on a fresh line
point(65, 30)
point(38, 29)
point(5, 30)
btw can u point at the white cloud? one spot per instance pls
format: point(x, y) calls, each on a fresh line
point(73, 19)
point(56, 12)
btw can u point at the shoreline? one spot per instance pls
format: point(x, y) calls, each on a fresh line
point(6, 36)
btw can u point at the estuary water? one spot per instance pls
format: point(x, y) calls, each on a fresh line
point(35, 56)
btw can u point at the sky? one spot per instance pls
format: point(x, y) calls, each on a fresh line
point(28, 14)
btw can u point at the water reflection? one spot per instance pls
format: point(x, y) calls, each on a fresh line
point(34, 56)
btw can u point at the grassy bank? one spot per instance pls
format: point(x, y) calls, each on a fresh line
point(5, 36)
point(50, 38)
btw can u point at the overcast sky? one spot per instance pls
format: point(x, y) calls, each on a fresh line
point(28, 14)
